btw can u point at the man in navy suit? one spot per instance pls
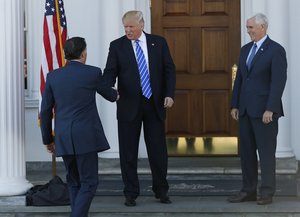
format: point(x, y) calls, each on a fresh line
point(146, 83)
point(256, 103)
point(79, 135)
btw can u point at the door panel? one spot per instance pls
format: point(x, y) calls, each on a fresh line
point(204, 41)
point(214, 50)
point(215, 114)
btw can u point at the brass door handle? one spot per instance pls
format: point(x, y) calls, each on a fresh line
point(233, 74)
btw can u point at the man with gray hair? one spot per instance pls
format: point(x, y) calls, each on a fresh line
point(256, 104)
point(146, 84)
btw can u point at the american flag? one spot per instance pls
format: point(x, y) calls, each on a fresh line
point(54, 37)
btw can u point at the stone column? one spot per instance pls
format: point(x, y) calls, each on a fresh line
point(294, 75)
point(277, 31)
point(12, 162)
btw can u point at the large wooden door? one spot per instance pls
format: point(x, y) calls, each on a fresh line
point(204, 40)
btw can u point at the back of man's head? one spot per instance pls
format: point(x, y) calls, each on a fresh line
point(74, 47)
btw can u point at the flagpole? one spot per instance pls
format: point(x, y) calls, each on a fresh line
point(59, 33)
point(53, 165)
point(63, 63)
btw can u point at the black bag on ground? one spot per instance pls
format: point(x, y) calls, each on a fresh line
point(54, 193)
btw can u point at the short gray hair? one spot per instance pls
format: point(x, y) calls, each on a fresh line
point(262, 19)
point(137, 15)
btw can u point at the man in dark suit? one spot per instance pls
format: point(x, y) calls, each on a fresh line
point(79, 135)
point(146, 83)
point(256, 103)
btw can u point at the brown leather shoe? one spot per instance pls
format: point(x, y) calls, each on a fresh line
point(264, 200)
point(242, 197)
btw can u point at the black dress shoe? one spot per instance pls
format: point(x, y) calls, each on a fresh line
point(129, 201)
point(264, 200)
point(164, 199)
point(242, 197)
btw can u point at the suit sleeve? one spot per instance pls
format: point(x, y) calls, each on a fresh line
point(104, 88)
point(169, 71)
point(278, 79)
point(111, 68)
point(46, 113)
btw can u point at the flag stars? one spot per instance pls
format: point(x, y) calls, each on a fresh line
point(50, 10)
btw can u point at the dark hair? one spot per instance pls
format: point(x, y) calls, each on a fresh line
point(74, 47)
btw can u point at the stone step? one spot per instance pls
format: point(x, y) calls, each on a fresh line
point(177, 165)
point(195, 185)
point(189, 177)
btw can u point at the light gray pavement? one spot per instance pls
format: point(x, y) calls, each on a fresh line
point(112, 205)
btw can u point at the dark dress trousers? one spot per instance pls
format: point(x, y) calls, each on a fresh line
point(255, 91)
point(79, 134)
point(134, 110)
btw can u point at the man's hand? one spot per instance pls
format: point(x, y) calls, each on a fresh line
point(50, 147)
point(118, 96)
point(235, 114)
point(168, 102)
point(267, 117)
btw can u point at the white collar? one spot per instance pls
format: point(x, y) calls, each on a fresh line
point(142, 38)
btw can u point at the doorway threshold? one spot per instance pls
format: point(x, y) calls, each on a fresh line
point(198, 166)
point(202, 146)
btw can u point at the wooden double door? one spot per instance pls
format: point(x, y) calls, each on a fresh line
point(204, 40)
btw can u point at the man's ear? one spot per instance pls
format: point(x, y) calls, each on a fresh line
point(83, 56)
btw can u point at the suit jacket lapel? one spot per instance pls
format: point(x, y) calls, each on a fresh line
point(130, 54)
point(262, 49)
point(245, 56)
point(151, 52)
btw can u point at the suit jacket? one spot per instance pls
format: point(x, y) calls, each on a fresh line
point(260, 88)
point(121, 63)
point(72, 91)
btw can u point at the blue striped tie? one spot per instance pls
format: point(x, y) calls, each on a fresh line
point(252, 54)
point(143, 69)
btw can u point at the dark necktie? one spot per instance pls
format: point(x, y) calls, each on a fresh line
point(253, 51)
point(143, 69)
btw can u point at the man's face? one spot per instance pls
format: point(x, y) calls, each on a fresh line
point(255, 31)
point(133, 28)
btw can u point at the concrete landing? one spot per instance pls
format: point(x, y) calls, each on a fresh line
point(191, 202)
point(109, 206)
